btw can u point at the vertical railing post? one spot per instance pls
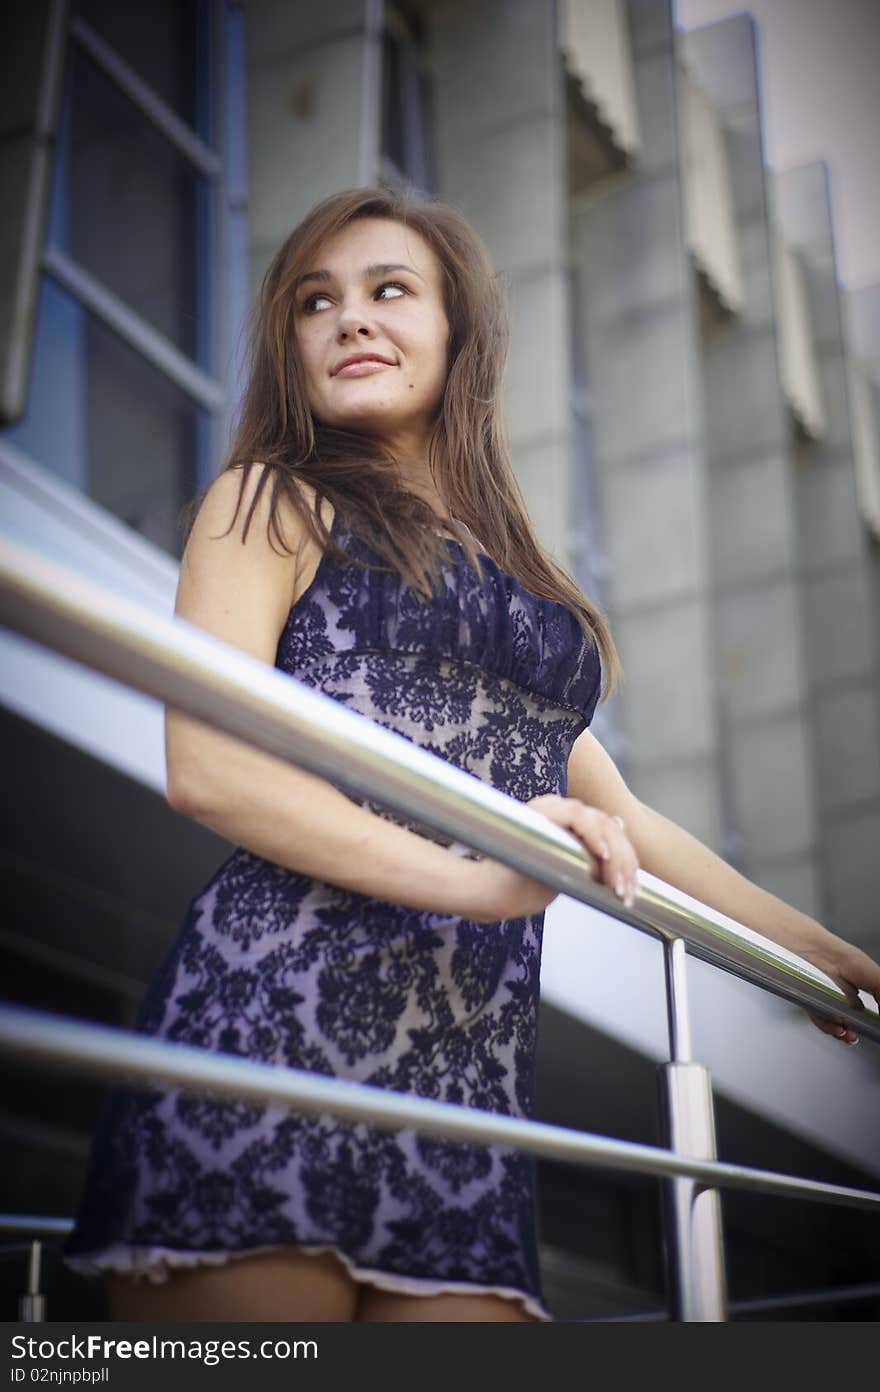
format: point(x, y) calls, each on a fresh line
point(692, 1213)
point(32, 1305)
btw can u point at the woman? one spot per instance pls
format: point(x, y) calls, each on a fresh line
point(339, 937)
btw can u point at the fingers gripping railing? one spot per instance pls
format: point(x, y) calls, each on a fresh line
point(212, 681)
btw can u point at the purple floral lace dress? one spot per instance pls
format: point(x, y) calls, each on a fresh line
point(289, 970)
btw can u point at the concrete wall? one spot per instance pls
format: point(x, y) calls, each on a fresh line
point(500, 144)
point(835, 567)
point(637, 316)
point(863, 345)
point(312, 111)
point(765, 726)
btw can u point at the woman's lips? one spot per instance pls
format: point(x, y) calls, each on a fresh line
point(362, 369)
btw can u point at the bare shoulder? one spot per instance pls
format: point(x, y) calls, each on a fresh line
point(235, 580)
point(230, 498)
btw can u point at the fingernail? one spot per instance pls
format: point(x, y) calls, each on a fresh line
point(605, 852)
point(619, 887)
point(857, 1040)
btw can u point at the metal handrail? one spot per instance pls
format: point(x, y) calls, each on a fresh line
point(37, 1224)
point(105, 1051)
point(795, 1300)
point(213, 681)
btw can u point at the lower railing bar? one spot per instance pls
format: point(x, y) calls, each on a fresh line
point(795, 1301)
point(35, 1225)
point(194, 672)
point(60, 1227)
point(102, 1051)
point(821, 1297)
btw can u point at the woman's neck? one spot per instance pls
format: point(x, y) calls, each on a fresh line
point(424, 487)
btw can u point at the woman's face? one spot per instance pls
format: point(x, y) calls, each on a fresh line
point(374, 293)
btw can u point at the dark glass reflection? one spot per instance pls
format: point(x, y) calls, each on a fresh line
point(127, 205)
point(108, 423)
point(141, 439)
point(406, 115)
point(164, 41)
point(393, 115)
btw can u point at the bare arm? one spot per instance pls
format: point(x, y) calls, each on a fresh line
point(672, 854)
point(243, 594)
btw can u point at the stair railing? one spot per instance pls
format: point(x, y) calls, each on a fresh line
point(181, 665)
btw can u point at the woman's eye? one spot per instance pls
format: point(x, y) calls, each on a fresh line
point(314, 303)
point(310, 304)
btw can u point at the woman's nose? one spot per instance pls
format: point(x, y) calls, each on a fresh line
point(352, 320)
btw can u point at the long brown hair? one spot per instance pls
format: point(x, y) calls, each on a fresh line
point(469, 454)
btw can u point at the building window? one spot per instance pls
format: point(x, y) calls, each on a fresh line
point(125, 205)
point(406, 157)
point(141, 296)
point(108, 422)
point(165, 42)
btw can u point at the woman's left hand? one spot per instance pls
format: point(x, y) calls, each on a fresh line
point(852, 970)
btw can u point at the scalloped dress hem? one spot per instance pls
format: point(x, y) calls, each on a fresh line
point(155, 1264)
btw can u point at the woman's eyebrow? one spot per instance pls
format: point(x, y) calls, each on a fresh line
point(379, 268)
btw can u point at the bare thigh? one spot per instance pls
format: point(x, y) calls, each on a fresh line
point(270, 1286)
point(383, 1307)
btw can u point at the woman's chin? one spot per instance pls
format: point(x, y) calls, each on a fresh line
point(385, 427)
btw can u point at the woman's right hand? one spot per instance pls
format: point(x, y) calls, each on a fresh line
point(500, 892)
